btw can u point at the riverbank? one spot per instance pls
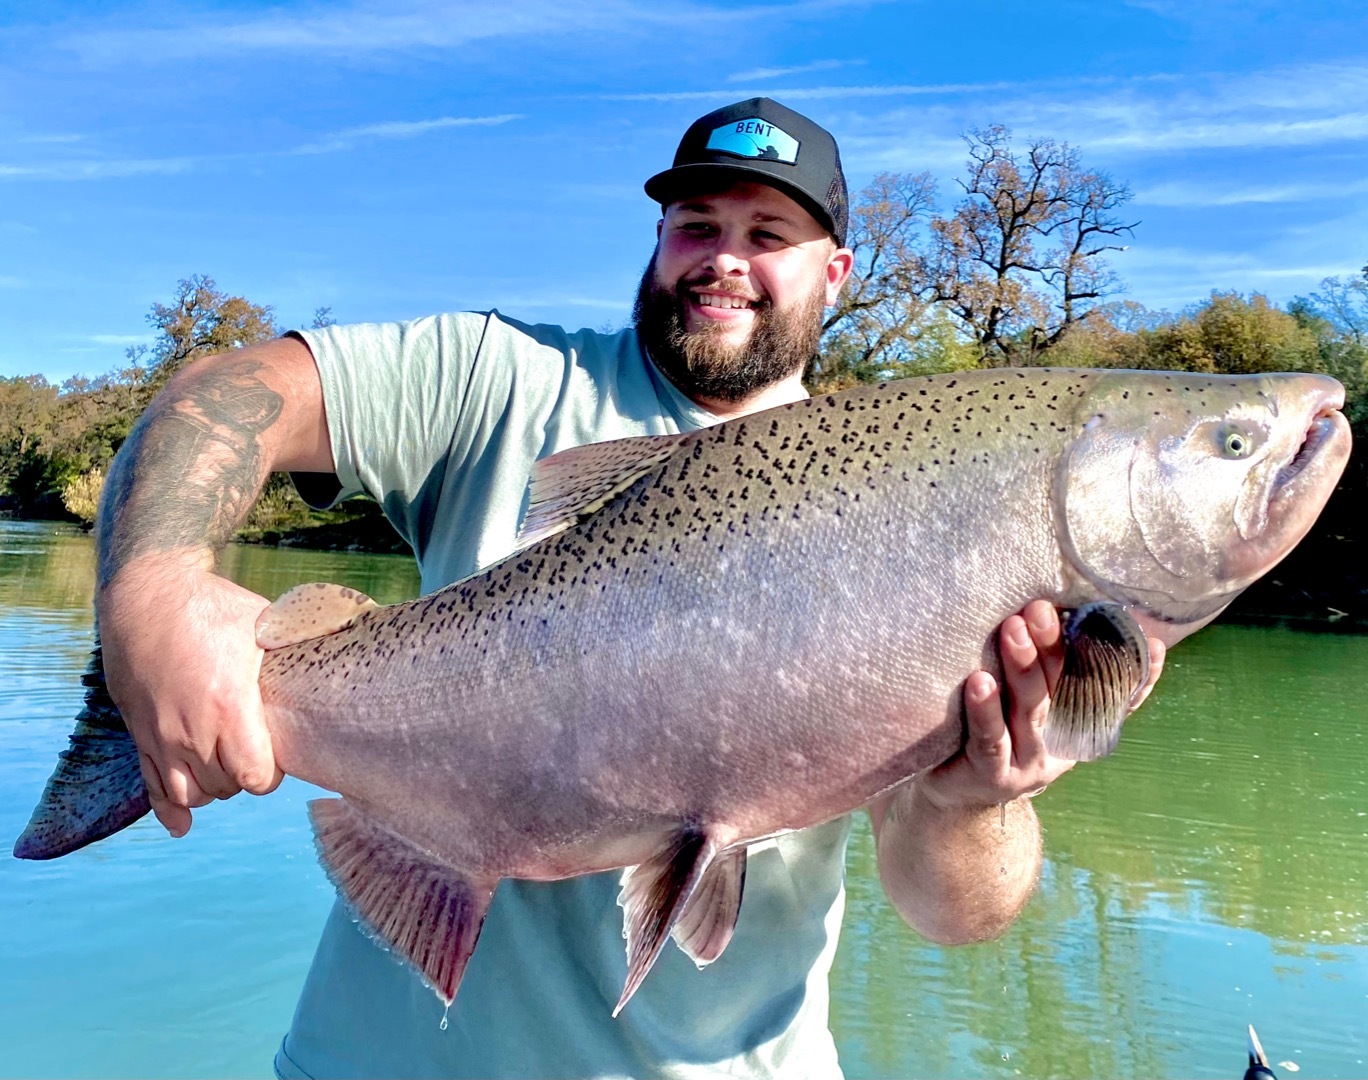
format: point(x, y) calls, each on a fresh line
point(1322, 584)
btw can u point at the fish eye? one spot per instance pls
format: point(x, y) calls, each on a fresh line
point(1234, 441)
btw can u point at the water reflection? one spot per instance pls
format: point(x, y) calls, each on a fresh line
point(1210, 874)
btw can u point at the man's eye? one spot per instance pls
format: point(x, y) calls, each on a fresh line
point(768, 237)
point(696, 228)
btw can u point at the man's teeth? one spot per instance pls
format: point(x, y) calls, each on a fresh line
point(713, 300)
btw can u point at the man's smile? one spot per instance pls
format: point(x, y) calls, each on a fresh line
point(726, 306)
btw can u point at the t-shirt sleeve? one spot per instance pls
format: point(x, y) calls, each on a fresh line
point(394, 395)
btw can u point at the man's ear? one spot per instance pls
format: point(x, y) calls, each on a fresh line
point(839, 265)
point(659, 225)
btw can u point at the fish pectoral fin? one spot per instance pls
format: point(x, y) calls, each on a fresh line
point(653, 897)
point(706, 924)
point(573, 484)
point(1106, 662)
point(425, 910)
point(309, 611)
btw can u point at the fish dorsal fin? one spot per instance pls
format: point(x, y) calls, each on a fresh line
point(426, 911)
point(569, 486)
point(706, 924)
point(1106, 662)
point(309, 611)
point(654, 896)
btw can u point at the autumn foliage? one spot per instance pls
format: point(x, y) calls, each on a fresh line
point(1015, 268)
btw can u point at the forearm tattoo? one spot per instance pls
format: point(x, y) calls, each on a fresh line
point(191, 468)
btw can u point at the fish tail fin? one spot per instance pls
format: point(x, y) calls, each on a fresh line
point(97, 788)
point(1106, 662)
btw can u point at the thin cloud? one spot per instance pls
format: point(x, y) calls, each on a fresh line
point(812, 93)
point(49, 139)
point(400, 129)
point(757, 74)
point(118, 339)
point(1214, 134)
point(1125, 118)
point(1184, 194)
point(363, 29)
point(595, 303)
point(96, 170)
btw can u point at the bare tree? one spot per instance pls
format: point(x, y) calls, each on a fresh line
point(880, 309)
point(1019, 262)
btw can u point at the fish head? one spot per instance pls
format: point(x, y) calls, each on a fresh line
point(1179, 490)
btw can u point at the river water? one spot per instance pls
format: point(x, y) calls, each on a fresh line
point(1212, 873)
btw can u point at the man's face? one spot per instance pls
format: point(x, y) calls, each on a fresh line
point(732, 299)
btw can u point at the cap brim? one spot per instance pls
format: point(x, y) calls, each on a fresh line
point(683, 181)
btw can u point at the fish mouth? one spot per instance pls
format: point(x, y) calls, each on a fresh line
point(1323, 428)
point(1299, 490)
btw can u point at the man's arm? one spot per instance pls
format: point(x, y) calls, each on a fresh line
point(959, 847)
point(178, 640)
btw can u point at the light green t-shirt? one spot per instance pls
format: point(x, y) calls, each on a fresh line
point(440, 420)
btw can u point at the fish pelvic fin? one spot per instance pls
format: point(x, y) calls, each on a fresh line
point(708, 920)
point(654, 896)
point(309, 611)
point(425, 910)
point(1106, 662)
point(97, 787)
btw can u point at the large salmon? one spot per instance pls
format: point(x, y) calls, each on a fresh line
point(715, 637)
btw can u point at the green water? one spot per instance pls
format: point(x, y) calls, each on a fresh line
point(1211, 874)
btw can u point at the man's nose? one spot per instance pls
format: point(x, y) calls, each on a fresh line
point(726, 260)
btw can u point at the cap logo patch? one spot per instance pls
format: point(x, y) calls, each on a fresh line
point(755, 138)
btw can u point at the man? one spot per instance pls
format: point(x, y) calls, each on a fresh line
point(441, 419)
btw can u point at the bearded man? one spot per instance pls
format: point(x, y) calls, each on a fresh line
point(441, 419)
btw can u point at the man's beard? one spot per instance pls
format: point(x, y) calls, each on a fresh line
point(702, 363)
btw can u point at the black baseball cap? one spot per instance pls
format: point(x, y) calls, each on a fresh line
point(766, 143)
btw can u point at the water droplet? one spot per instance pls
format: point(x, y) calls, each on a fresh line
point(443, 1025)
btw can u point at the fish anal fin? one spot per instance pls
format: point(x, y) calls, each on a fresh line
point(653, 897)
point(309, 611)
point(708, 920)
point(426, 911)
point(1106, 662)
point(569, 486)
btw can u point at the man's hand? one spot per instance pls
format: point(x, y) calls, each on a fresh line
point(181, 662)
point(1004, 756)
point(959, 847)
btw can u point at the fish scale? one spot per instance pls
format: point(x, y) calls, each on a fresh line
point(710, 638)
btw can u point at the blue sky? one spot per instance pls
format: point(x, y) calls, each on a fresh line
point(393, 159)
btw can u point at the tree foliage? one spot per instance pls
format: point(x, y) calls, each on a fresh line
point(880, 318)
point(1015, 268)
point(1020, 261)
point(53, 437)
point(202, 320)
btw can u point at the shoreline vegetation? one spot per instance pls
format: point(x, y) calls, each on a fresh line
point(1014, 273)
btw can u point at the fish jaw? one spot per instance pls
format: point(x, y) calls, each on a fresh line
point(1300, 487)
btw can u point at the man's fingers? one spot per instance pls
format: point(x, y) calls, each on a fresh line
point(211, 780)
point(174, 819)
point(248, 757)
point(1042, 622)
point(1027, 690)
point(986, 738)
point(1157, 651)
